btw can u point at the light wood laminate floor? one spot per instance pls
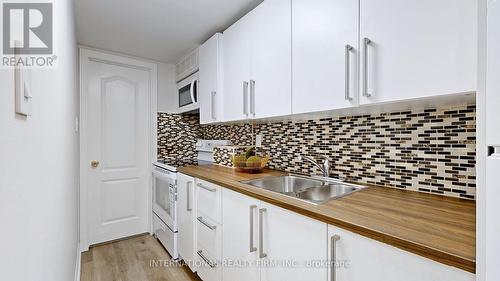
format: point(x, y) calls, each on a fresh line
point(131, 260)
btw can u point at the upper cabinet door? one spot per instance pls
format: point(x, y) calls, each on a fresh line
point(325, 54)
point(417, 48)
point(270, 77)
point(210, 89)
point(236, 67)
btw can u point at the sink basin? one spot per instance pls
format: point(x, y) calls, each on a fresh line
point(284, 184)
point(312, 190)
point(326, 192)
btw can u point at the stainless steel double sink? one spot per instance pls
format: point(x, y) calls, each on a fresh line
point(310, 189)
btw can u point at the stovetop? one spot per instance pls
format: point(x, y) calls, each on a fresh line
point(172, 164)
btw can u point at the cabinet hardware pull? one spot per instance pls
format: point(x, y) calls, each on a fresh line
point(205, 259)
point(212, 227)
point(252, 97)
point(188, 194)
point(366, 43)
point(207, 188)
point(333, 261)
point(348, 49)
point(261, 233)
point(245, 98)
point(252, 247)
point(213, 105)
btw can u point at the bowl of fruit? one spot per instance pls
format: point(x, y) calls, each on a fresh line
point(249, 162)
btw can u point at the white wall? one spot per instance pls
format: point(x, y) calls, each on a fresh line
point(167, 88)
point(39, 168)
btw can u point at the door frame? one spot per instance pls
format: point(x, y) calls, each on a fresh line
point(90, 54)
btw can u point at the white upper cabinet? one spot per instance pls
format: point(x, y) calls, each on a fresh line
point(325, 54)
point(417, 48)
point(210, 86)
point(236, 68)
point(270, 59)
point(257, 63)
point(360, 258)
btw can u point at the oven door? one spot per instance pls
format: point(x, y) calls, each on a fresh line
point(187, 90)
point(164, 197)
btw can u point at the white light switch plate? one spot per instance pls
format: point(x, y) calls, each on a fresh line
point(23, 91)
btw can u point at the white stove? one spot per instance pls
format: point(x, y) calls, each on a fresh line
point(165, 191)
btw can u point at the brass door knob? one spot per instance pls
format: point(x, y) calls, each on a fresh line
point(94, 163)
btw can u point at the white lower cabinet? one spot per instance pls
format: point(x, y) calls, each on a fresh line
point(268, 243)
point(185, 218)
point(239, 238)
point(360, 258)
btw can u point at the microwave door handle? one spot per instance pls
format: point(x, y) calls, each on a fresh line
point(191, 91)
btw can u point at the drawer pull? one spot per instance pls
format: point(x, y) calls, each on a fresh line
point(261, 233)
point(207, 188)
point(333, 274)
point(252, 247)
point(188, 195)
point(212, 227)
point(205, 259)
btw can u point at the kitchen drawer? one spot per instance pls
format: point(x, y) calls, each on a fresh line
point(208, 272)
point(166, 236)
point(209, 235)
point(209, 198)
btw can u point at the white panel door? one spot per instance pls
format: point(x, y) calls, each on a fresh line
point(290, 243)
point(185, 218)
point(117, 138)
point(239, 217)
point(325, 54)
point(236, 68)
point(418, 48)
point(493, 72)
point(210, 86)
point(360, 258)
point(271, 58)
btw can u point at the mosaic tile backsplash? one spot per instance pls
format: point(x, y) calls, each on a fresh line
point(177, 135)
point(431, 150)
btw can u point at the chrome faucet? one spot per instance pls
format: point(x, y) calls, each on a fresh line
point(325, 168)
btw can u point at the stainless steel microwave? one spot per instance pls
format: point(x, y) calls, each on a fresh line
point(187, 91)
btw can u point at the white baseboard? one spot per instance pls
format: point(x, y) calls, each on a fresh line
point(78, 263)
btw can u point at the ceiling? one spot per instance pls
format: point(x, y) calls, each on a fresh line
point(161, 30)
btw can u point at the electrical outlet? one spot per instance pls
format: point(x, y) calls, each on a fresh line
point(258, 140)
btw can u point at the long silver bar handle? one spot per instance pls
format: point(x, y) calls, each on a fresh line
point(348, 49)
point(366, 44)
point(189, 208)
point(212, 227)
point(205, 259)
point(245, 98)
point(261, 233)
point(252, 97)
point(213, 105)
point(252, 247)
point(207, 188)
point(333, 261)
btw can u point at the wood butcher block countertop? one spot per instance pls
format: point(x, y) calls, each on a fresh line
point(436, 227)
